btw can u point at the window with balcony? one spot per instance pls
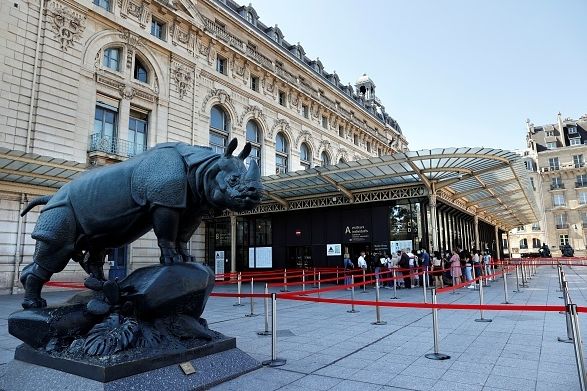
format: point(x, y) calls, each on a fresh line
point(254, 137)
point(305, 156)
point(281, 153)
point(563, 240)
point(158, 29)
point(111, 58)
point(551, 145)
point(578, 161)
point(219, 129)
point(105, 129)
point(254, 83)
point(558, 200)
point(524, 243)
point(561, 221)
point(556, 183)
point(553, 163)
point(140, 72)
point(574, 141)
point(582, 197)
point(221, 65)
point(103, 4)
point(581, 180)
point(137, 131)
point(536, 243)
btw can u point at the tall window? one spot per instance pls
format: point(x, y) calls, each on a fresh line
point(536, 243)
point(549, 133)
point(140, 73)
point(281, 154)
point(558, 200)
point(340, 131)
point(254, 83)
point(582, 198)
point(578, 161)
point(281, 96)
point(305, 111)
point(581, 180)
point(105, 122)
point(305, 156)
point(556, 183)
point(158, 29)
point(137, 132)
point(561, 221)
point(254, 137)
point(219, 129)
point(536, 227)
point(355, 139)
point(524, 243)
point(563, 240)
point(221, 65)
point(553, 163)
point(112, 58)
point(325, 122)
point(103, 4)
point(368, 146)
point(325, 159)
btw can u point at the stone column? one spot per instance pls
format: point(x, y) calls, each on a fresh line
point(232, 243)
point(497, 243)
point(433, 223)
point(476, 227)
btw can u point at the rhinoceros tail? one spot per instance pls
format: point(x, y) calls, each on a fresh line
point(37, 201)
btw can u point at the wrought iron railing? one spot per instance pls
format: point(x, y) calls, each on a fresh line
point(261, 59)
point(114, 146)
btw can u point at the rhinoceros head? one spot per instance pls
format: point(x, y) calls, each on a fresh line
point(231, 185)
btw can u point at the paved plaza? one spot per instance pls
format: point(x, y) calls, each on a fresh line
point(328, 348)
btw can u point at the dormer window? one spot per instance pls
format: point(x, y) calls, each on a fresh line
point(249, 17)
point(298, 53)
point(275, 36)
point(572, 130)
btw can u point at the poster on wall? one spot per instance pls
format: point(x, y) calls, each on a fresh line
point(260, 257)
point(398, 245)
point(333, 249)
point(219, 264)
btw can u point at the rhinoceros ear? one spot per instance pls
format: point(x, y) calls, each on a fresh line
point(231, 147)
point(245, 152)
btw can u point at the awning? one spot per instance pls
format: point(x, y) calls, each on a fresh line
point(490, 183)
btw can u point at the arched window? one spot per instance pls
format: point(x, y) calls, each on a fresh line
point(325, 159)
point(111, 58)
point(305, 156)
point(254, 137)
point(140, 73)
point(275, 36)
point(281, 153)
point(219, 129)
point(536, 243)
point(524, 243)
point(250, 17)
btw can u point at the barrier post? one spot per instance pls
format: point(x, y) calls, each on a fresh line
point(517, 279)
point(394, 285)
point(524, 276)
point(425, 283)
point(303, 280)
point(314, 279)
point(266, 304)
point(474, 274)
point(352, 310)
point(569, 338)
point(337, 275)
point(364, 282)
point(528, 270)
point(378, 320)
point(319, 283)
point(284, 281)
point(252, 314)
point(560, 278)
point(274, 362)
point(238, 285)
point(505, 286)
point(454, 292)
point(481, 318)
point(572, 309)
point(436, 355)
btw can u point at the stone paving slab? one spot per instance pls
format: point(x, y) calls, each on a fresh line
point(330, 349)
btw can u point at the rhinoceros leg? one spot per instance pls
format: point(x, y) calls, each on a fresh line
point(187, 227)
point(165, 225)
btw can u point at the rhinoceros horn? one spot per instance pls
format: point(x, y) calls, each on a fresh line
point(253, 173)
point(245, 152)
point(231, 147)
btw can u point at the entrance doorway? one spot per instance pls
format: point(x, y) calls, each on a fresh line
point(299, 257)
point(355, 250)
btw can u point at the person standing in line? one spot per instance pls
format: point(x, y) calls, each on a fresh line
point(437, 270)
point(376, 265)
point(348, 267)
point(476, 265)
point(361, 261)
point(404, 264)
point(487, 264)
point(412, 266)
point(455, 267)
point(425, 267)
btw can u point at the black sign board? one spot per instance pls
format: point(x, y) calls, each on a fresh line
point(356, 234)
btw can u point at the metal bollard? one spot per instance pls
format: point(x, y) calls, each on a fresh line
point(252, 314)
point(319, 283)
point(337, 275)
point(364, 282)
point(284, 281)
point(569, 338)
point(528, 270)
point(275, 361)
point(352, 310)
point(505, 286)
point(266, 303)
point(481, 318)
point(238, 285)
point(378, 320)
point(578, 344)
point(314, 279)
point(474, 275)
point(425, 283)
point(303, 280)
point(524, 276)
point(517, 279)
point(436, 355)
point(560, 279)
point(394, 285)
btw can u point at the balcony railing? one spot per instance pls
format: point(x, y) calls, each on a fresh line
point(222, 34)
point(562, 226)
point(557, 186)
point(114, 146)
point(580, 184)
point(261, 59)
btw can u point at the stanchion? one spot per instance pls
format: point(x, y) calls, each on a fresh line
point(454, 292)
point(560, 279)
point(319, 283)
point(486, 280)
point(378, 320)
point(569, 338)
point(275, 361)
point(266, 304)
point(337, 275)
point(524, 276)
point(303, 280)
point(474, 274)
point(425, 283)
point(352, 310)
point(364, 282)
point(394, 285)
point(436, 355)
point(314, 279)
point(284, 289)
point(505, 286)
point(578, 344)
point(517, 279)
point(252, 314)
point(238, 287)
point(563, 278)
point(481, 318)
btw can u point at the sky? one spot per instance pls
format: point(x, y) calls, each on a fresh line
point(452, 72)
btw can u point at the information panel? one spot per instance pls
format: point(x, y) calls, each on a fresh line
point(333, 249)
point(219, 263)
point(398, 245)
point(260, 257)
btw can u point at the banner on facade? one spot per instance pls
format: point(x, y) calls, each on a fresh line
point(260, 257)
point(398, 245)
point(333, 249)
point(219, 264)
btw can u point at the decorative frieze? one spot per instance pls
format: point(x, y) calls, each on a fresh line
point(184, 38)
point(138, 11)
point(257, 113)
point(183, 78)
point(126, 91)
point(279, 125)
point(67, 24)
point(133, 42)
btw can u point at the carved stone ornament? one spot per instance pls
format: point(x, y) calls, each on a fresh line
point(280, 124)
point(304, 136)
point(139, 11)
point(257, 113)
point(132, 43)
point(220, 95)
point(67, 24)
point(126, 92)
point(183, 77)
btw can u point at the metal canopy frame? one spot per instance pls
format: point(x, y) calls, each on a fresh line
point(489, 183)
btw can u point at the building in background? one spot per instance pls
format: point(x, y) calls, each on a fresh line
point(555, 159)
point(93, 82)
